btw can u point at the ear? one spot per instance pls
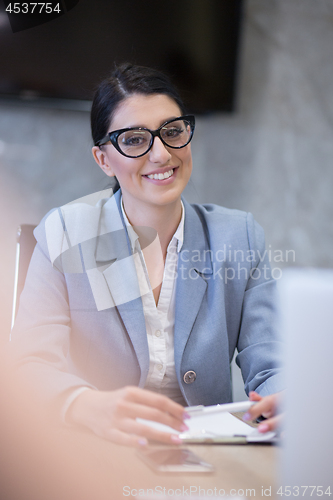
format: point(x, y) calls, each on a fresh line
point(102, 160)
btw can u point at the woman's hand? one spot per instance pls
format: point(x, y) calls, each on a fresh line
point(112, 415)
point(267, 407)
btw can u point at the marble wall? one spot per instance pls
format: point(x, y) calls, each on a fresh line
point(273, 157)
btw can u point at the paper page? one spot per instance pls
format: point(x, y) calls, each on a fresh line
point(213, 424)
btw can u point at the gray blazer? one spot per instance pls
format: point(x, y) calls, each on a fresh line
point(81, 322)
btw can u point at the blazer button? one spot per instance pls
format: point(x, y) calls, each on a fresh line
point(189, 377)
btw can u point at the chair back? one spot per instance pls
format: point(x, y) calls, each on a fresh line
point(25, 246)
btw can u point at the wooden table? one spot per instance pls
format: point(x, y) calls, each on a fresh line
point(41, 460)
point(117, 473)
point(52, 463)
point(239, 471)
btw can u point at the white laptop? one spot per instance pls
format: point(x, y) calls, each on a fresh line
point(306, 458)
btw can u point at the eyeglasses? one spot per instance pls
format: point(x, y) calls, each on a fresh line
point(137, 141)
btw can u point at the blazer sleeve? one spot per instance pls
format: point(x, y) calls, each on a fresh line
point(259, 346)
point(41, 336)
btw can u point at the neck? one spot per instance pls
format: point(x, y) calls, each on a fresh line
point(164, 219)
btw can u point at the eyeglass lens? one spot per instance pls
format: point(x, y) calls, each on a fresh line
point(175, 134)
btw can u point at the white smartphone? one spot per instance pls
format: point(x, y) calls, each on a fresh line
point(174, 460)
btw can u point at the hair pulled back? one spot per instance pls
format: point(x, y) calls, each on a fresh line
point(126, 80)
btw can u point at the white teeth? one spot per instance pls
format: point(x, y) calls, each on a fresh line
point(168, 174)
point(160, 177)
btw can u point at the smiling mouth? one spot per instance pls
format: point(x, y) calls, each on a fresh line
point(161, 177)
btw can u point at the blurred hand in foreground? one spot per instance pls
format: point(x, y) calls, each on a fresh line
point(112, 415)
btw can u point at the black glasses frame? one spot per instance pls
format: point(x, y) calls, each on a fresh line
point(113, 136)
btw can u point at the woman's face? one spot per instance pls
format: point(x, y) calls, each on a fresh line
point(138, 189)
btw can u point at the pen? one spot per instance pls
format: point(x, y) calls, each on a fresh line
point(230, 407)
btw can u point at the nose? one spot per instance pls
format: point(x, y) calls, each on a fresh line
point(158, 152)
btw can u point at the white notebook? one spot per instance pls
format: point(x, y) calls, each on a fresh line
point(216, 428)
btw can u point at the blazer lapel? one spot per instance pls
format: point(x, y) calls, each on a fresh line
point(89, 236)
point(194, 263)
point(115, 260)
point(134, 321)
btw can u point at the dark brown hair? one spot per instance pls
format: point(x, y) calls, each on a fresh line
point(126, 80)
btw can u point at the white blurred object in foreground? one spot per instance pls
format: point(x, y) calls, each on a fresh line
point(306, 466)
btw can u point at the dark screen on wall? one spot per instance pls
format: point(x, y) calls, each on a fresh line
point(195, 41)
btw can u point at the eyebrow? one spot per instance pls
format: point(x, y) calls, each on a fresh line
point(142, 126)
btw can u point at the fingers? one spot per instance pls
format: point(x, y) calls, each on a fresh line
point(149, 433)
point(139, 441)
point(266, 407)
point(128, 409)
point(113, 415)
point(254, 396)
point(139, 403)
point(129, 432)
point(133, 411)
point(154, 400)
point(119, 437)
point(270, 424)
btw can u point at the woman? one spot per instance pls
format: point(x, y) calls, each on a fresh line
point(135, 303)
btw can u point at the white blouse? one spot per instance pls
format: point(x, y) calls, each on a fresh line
point(160, 319)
